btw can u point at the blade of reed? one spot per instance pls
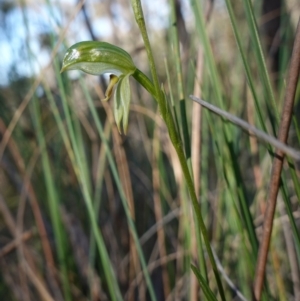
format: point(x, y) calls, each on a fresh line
point(246, 65)
point(206, 289)
point(268, 88)
point(227, 200)
point(171, 95)
point(251, 85)
point(181, 94)
point(53, 201)
point(263, 71)
point(224, 137)
point(269, 94)
point(209, 59)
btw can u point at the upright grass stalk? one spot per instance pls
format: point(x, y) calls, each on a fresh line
point(171, 95)
point(53, 202)
point(269, 94)
point(196, 245)
point(224, 136)
point(181, 94)
point(268, 88)
point(168, 118)
point(246, 65)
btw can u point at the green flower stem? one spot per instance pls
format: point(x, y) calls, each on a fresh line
point(139, 17)
point(168, 118)
point(144, 81)
point(174, 136)
point(176, 141)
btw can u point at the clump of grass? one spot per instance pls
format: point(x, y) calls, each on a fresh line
point(135, 196)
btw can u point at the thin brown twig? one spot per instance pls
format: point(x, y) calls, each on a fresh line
point(26, 259)
point(279, 145)
point(14, 243)
point(155, 264)
point(277, 166)
point(29, 191)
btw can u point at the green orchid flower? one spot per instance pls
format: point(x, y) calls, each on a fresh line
point(98, 58)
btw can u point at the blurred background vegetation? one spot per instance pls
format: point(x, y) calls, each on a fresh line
point(69, 182)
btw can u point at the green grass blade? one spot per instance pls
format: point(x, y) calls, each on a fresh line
point(53, 202)
point(181, 94)
point(203, 284)
point(269, 94)
point(246, 65)
point(201, 30)
point(111, 279)
point(52, 195)
point(223, 137)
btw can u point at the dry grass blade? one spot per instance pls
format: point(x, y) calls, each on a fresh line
point(14, 244)
point(196, 159)
point(26, 258)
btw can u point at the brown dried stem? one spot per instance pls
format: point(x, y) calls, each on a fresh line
point(277, 166)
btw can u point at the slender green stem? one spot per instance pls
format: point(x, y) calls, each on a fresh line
point(178, 147)
point(174, 136)
point(144, 81)
point(139, 17)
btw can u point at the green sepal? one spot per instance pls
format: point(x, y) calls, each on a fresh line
point(97, 58)
point(122, 103)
